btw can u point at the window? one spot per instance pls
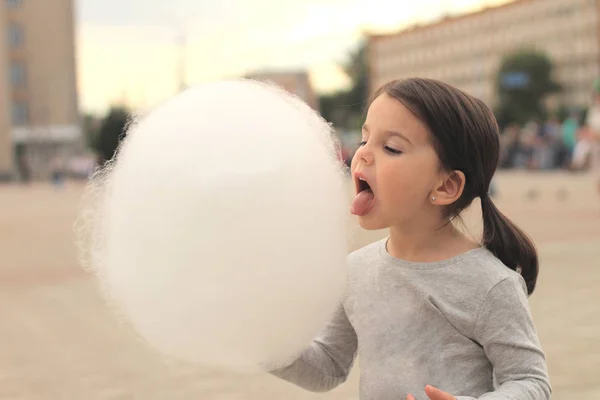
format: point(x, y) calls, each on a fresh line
point(15, 35)
point(17, 74)
point(13, 3)
point(20, 113)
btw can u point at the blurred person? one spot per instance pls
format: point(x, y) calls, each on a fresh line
point(593, 135)
point(570, 127)
point(58, 171)
point(552, 143)
point(510, 146)
point(546, 137)
point(582, 153)
point(23, 164)
point(528, 144)
point(428, 305)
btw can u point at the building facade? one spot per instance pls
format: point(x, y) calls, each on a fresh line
point(6, 152)
point(296, 82)
point(38, 81)
point(466, 51)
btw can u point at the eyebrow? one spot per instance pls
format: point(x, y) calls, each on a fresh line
point(389, 133)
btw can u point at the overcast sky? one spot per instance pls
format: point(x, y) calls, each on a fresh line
point(127, 49)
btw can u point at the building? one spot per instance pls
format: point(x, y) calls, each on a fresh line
point(296, 82)
point(39, 117)
point(6, 152)
point(466, 51)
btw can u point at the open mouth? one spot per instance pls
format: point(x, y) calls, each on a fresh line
point(365, 198)
point(363, 185)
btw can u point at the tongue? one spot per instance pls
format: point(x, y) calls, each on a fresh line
point(362, 203)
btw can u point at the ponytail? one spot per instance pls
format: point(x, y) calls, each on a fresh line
point(509, 243)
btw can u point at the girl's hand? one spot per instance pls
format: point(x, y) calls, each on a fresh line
point(434, 394)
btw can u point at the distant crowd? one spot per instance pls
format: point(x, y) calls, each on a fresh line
point(549, 145)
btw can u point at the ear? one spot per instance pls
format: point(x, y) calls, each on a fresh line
point(449, 188)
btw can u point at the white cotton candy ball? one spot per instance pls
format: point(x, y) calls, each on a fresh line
point(220, 229)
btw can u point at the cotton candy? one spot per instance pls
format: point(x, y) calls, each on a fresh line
point(219, 229)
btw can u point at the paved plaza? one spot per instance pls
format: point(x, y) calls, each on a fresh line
point(59, 341)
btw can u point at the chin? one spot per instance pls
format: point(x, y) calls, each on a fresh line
point(370, 224)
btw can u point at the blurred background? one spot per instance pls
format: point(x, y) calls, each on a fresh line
point(72, 72)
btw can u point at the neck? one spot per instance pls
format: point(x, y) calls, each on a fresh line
point(427, 242)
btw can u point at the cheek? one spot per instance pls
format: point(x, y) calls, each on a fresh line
point(409, 181)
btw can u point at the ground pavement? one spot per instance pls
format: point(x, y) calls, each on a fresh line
point(59, 341)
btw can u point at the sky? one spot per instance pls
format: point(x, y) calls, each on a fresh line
point(129, 51)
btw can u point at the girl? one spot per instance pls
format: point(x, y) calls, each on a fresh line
point(430, 313)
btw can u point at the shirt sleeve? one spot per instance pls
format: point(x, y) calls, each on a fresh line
point(326, 363)
point(507, 333)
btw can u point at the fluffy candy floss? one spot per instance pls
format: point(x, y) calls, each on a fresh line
point(219, 230)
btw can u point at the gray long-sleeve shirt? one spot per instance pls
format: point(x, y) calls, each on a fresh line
point(462, 325)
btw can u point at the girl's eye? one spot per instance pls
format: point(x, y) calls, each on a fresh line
point(362, 143)
point(391, 150)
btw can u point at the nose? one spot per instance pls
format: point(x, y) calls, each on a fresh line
point(364, 155)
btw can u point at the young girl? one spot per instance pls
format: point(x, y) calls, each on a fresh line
point(430, 313)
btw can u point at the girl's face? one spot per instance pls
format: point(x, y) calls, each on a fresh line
point(399, 164)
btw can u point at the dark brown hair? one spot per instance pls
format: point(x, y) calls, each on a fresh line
point(465, 136)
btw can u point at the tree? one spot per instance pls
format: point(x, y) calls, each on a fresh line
point(91, 128)
point(111, 133)
point(357, 70)
point(345, 108)
point(523, 81)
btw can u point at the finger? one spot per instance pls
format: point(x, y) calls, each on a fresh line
point(437, 394)
point(410, 397)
